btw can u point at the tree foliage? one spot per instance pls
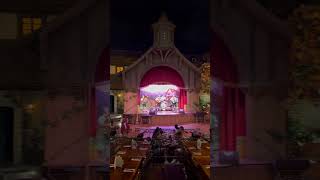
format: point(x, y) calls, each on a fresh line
point(305, 61)
point(205, 78)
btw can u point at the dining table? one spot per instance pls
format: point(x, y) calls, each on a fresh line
point(132, 160)
point(200, 157)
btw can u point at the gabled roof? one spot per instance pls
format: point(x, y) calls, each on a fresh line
point(150, 50)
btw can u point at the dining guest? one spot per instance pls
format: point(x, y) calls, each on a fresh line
point(125, 127)
point(113, 129)
point(179, 131)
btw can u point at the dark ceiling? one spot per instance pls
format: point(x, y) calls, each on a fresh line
point(36, 6)
point(283, 8)
point(131, 23)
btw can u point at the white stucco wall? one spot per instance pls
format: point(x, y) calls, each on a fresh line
point(130, 103)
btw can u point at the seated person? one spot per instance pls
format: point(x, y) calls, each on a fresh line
point(196, 134)
point(155, 133)
point(148, 139)
point(171, 154)
point(180, 131)
point(125, 126)
point(113, 129)
point(160, 135)
point(140, 136)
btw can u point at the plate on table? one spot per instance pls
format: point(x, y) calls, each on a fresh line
point(135, 159)
point(129, 170)
point(197, 153)
point(127, 146)
point(121, 152)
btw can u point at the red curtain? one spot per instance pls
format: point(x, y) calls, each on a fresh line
point(241, 113)
point(93, 114)
point(182, 98)
point(232, 100)
point(162, 74)
point(101, 75)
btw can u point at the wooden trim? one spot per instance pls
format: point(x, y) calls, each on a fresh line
point(270, 21)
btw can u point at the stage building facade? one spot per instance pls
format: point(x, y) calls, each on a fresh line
point(161, 73)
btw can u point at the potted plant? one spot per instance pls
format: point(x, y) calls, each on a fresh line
point(295, 138)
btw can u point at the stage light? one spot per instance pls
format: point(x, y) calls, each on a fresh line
point(156, 88)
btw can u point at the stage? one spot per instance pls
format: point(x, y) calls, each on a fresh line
point(167, 113)
point(164, 118)
point(138, 128)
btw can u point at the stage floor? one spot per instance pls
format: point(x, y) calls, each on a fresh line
point(161, 113)
point(167, 119)
point(138, 128)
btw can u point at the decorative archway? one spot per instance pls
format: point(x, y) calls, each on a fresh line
point(168, 75)
point(227, 98)
point(162, 74)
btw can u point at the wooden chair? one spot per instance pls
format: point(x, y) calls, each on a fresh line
point(102, 172)
point(64, 173)
point(130, 119)
point(174, 172)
